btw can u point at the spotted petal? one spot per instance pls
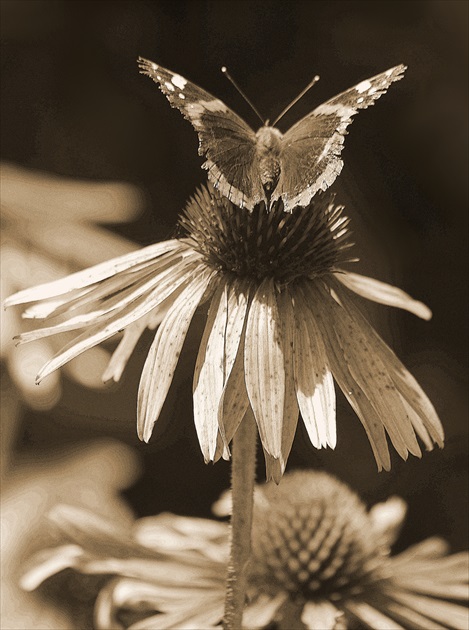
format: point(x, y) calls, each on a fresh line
point(164, 352)
point(91, 275)
point(264, 366)
point(383, 293)
point(314, 381)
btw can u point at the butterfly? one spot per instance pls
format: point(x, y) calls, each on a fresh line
point(249, 167)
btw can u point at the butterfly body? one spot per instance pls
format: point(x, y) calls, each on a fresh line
point(251, 167)
point(269, 148)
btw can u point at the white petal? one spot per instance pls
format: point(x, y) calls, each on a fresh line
point(290, 408)
point(371, 371)
point(452, 615)
point(132, 313)
point(320, 615)
point(205, 612)
point(352, 391)
point(403, 379)
point(49, 562)
point(84, 298)
point(208, 375)
point(107, 308)
point(234, 400)
point(409, 618)
point(261, 612)
point(188, 532)
point(238, 299)
point(388, 518)
point(122, 353)
point(91, 531)
point(164, 353)
point(314, 383)
point(428, 549)
point(369, 615)
point(431, 585)
point(264, 366)
point(92, 275)
point(105, 617)
point(41, 310)
point(419, 426)
point(383, 293)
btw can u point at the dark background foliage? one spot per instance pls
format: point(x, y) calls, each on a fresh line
point(73, 103)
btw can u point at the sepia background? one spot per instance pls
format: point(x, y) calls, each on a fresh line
point(74, 105)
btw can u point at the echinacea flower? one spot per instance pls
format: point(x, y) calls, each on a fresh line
point(319, 560)
point(49, 227)
point(91, 476)
point(281, 324)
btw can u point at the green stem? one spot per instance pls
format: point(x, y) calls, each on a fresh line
point(243, 472)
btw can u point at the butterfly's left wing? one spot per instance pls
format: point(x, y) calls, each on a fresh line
point(228, 143)
point(310, 156)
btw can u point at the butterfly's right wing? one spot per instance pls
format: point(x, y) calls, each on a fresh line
point(310, 159)
point(227, 142)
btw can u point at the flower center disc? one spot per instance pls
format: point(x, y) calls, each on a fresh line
point(307, 242)
point(312, 541)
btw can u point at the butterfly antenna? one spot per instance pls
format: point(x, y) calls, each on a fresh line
point(230, 78)
point(295, 100)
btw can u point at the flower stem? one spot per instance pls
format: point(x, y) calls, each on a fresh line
point(243, 470)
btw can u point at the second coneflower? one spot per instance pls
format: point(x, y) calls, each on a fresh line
point(281, 324)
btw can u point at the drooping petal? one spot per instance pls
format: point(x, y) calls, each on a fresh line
point(370, 372)
point(429, 549)
point(388, 518)
point(208, 376)
point(320, 615)
point(238, 300)
point(234, 399)
point(41, 310)
point(264, 366)
point(105, 611)
point(95, 535)
point(383, 293)
point(90, 295)
point(314, 383)
point(122, 353)
point(169, 533)
point(260, 612)
point(290, 407)
point(164, 353)
point(92, 275)
point(370, 616)
point(204, 612)
point(430, 584)
point(451, 615)
point(49, 562)
point(406, 384)
point(352, 391)
point(418, 425)
point(408, 617)
point(130, 314)
point(234, 403)
point(109, 307)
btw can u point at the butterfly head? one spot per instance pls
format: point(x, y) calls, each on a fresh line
point(269, 138)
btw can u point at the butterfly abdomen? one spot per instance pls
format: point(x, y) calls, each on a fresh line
point(269, 142)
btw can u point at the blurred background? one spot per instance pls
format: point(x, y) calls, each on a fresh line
point(74, 105)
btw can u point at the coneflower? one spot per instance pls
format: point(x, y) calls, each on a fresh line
point(281, 326)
